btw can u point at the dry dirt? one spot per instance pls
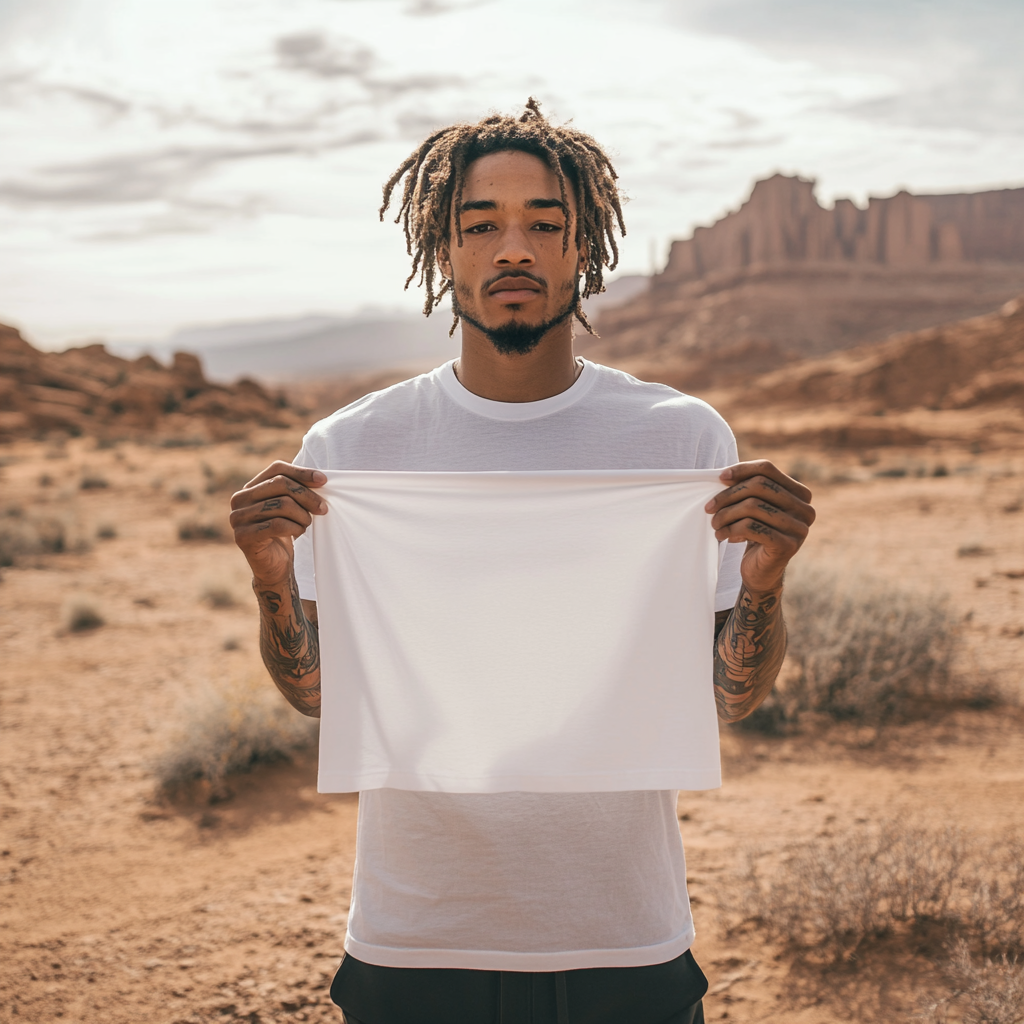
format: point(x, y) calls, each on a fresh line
point(116, 906)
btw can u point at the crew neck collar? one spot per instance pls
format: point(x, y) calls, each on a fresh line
point(515, 411)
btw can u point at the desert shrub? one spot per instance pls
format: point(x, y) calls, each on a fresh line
point(984, 992)
point(26, 534)
point(229, 729)
point(217, 595)
point(228, 480)
point(862, 650)
point(93, 482)
point(106, 531)
point(82, 614)
point(201, 529)
point(834, 893)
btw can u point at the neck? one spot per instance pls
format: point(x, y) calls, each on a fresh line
point(547, 370)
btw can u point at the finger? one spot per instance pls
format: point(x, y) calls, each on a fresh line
point(281, 507)
point(765, 468)
point(762, 511)
point(778, 544)
point(276, 487)
point(302, 475)
point(765, 489)
point(269, 528)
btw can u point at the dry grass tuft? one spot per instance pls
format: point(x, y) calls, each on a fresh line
point(864, 651)
point(202, 529)
point(989, 992)
point(28, 532)
point(834, 894)
point(81, 614)
point(230, 729)
point(227, 480)
point(217, 595)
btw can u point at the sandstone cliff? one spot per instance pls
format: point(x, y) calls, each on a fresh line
point(89, 391)
point(784, 277)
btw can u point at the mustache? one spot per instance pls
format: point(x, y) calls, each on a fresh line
point(512, 276)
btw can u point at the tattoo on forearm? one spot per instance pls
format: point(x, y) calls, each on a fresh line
point(290, 645)
point(749, 651)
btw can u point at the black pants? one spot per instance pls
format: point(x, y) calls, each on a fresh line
point(668, 993)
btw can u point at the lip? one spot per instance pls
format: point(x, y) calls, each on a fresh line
point(514, 289)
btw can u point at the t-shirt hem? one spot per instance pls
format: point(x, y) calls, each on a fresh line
point(610, 782)
point(499, 960)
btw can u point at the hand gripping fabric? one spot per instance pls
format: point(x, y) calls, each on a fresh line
point(494, 632)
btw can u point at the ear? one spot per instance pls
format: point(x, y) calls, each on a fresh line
point(444, 263)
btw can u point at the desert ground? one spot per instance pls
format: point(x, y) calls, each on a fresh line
point(120, 902)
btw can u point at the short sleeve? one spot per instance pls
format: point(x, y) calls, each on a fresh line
point(305, 577)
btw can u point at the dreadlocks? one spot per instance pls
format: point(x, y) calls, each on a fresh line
point(436, 172)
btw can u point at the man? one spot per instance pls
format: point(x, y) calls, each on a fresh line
point(521, 906)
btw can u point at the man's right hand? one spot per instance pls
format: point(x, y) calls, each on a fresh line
point(270, 511)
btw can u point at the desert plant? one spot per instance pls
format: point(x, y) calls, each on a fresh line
point(201, 529)
point(229, 729)
point(229, 479)
point(26, 534)
point(217, 595)
point(93, 482)
point(106, 531)
point(984, 992)
point(862, 650)
point(82, 614)
point(833, 894)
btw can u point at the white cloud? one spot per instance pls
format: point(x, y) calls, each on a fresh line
point(210, 159)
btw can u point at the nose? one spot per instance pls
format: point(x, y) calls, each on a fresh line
point(514, 249)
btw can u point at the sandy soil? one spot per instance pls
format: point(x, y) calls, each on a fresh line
point(117, 906)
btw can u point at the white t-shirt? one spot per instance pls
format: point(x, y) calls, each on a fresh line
point(520, 881)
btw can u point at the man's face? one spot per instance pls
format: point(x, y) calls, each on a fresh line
point(511, 278)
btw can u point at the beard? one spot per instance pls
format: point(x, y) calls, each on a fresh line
point(516, 337)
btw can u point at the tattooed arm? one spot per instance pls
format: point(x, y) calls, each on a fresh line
point(267, 515)
point(290, 644)
point(769, 511)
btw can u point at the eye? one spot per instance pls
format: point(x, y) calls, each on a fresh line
point(547, 227)
point(477, 229)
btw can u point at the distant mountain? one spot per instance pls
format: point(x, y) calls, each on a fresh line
point(783, 277)
point(310, 347)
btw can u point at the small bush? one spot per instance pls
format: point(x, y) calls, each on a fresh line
point(182, 494)
point(217, 595)
point(989, 992)
point(23, 534)
point(93, 482)
point(201, 530)
point(106, 531)
point(81, 614)
point(861, 650)
point(833, 894)
point(230, 729)
point(226, 480)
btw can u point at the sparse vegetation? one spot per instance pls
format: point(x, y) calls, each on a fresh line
point(984, 992)
point(201, 530)
point(24, 533)
point(217, 595)
point(226, 480)
point(834, 894)
point(106, 531)
point(863, 650)
point(229, 729)
point(93, 482)
point(82, 614)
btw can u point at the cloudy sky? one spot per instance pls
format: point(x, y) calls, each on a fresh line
point(168, 164)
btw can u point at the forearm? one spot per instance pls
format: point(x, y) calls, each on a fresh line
point(290, 645)
point(749, 652)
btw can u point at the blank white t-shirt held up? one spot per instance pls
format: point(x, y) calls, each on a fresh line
point(520, 881)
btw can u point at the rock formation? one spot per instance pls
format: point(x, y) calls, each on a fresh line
point(89, 391)
point(783, 276)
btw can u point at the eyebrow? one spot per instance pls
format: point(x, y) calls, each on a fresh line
point(531, 204)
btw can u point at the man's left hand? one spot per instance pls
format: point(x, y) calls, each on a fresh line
point(768, 510)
